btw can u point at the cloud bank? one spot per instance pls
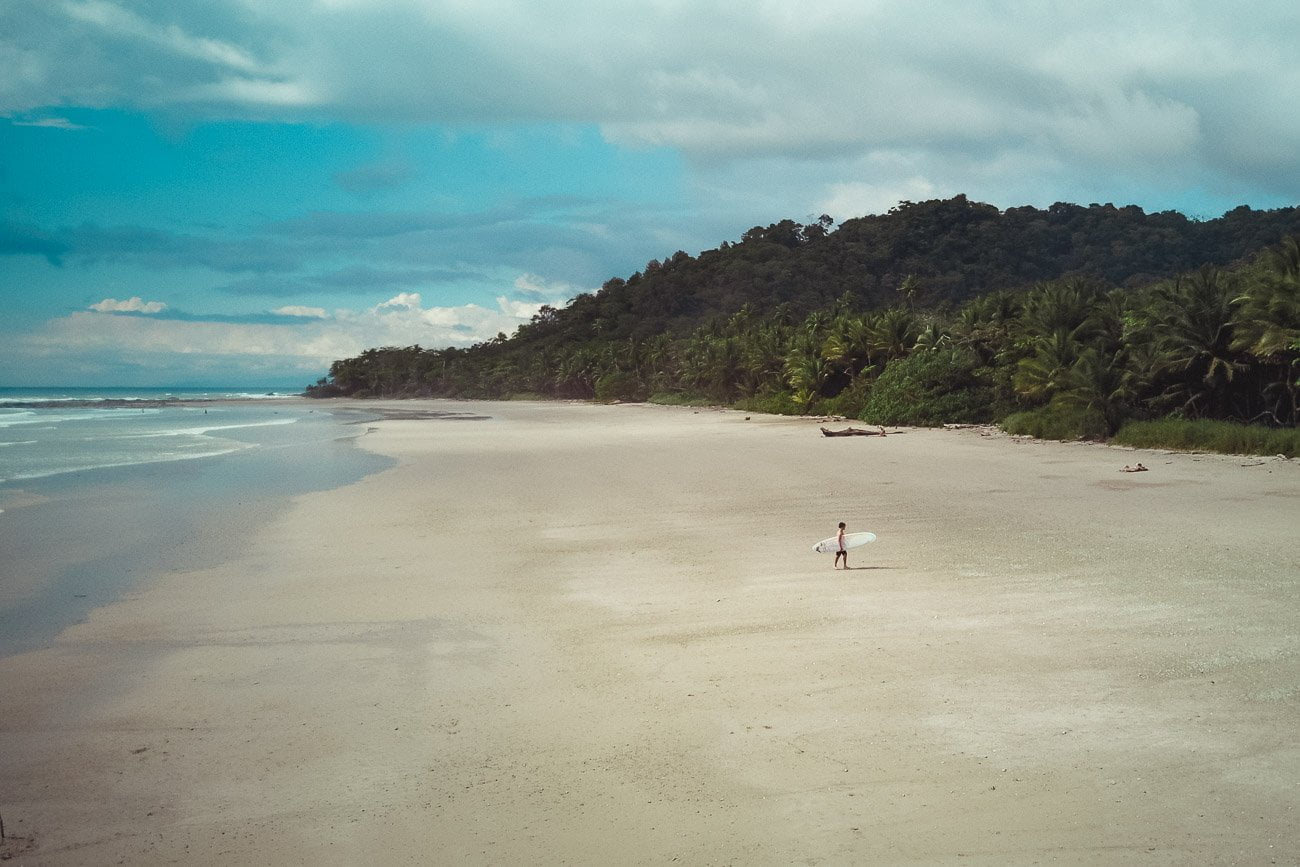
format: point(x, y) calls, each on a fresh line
point(446, 167)
point(298, 342)
point(953, 89)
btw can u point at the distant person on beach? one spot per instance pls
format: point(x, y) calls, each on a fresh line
point(1138, 469)
point(841, 551)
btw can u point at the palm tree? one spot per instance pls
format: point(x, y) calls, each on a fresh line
point(578, 371)
point(849, 344)
point(892, 334)
point(1110, 320)
point(805, 371)
point(1268, 326)
point(718, 367)
point(1040, 376)
point(909, 289)
point(1193, 326)
point(1098, 383)
point(985, 325)
point(763, 352)
point(932, 337)
point(1064, 306)
point(661, 362)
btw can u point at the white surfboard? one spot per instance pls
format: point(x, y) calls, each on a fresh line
point(851, 540)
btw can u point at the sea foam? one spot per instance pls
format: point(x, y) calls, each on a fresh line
point(58, 438)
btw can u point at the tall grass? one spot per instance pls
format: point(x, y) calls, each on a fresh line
point(773, 404)
point(672, 398)
point(1057, 423)
point(1205, 435)
point(846, 404)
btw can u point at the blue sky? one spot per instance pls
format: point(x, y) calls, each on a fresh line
point(238, 192)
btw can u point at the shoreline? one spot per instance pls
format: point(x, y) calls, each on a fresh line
point(595, 633)
point(77, 540)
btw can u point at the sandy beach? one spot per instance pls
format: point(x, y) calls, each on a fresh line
point(565, 633)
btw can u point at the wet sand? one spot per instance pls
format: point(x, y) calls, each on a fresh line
point(586, 634)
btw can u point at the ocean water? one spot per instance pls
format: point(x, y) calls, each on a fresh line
point(100, 488)
point(45, 432)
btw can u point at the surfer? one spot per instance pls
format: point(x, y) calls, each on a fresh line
point(841, 551)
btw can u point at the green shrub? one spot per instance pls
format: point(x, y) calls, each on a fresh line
point(620, 385)
point(849, 403)
point(1224, 437)
point(1056, 422)
point(780, 403)
point(675, 398)
point(929, 389)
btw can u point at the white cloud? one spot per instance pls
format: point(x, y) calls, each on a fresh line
point(535, 288)
point(522, 310)
point(263, 93)
point(134, 304)
point(304, 312)
point(50, 123)
point(856, 198)
point(402, 301)
point(85, 340)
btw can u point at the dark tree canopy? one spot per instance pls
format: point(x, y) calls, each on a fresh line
point(1104, 311)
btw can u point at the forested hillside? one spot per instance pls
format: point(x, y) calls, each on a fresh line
point(937, 311)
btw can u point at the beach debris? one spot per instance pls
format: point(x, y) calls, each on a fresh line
point(1137, 469)
point(854, 432)
point(13, 846)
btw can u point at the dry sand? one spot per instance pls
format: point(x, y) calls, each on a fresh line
point(597, 635)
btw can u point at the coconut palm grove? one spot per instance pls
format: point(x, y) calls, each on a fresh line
point(1067, 322)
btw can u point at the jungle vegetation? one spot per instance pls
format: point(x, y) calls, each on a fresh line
point(1064, 322)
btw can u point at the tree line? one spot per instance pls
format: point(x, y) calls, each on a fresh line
point(1066, 322)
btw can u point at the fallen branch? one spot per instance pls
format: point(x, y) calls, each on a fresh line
point(854, 432)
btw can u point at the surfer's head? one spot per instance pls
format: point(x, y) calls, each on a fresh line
point(841, 525)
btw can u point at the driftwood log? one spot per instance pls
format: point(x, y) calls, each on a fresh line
point(853, 432)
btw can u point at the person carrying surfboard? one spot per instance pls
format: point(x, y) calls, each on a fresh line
point(841, 543)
